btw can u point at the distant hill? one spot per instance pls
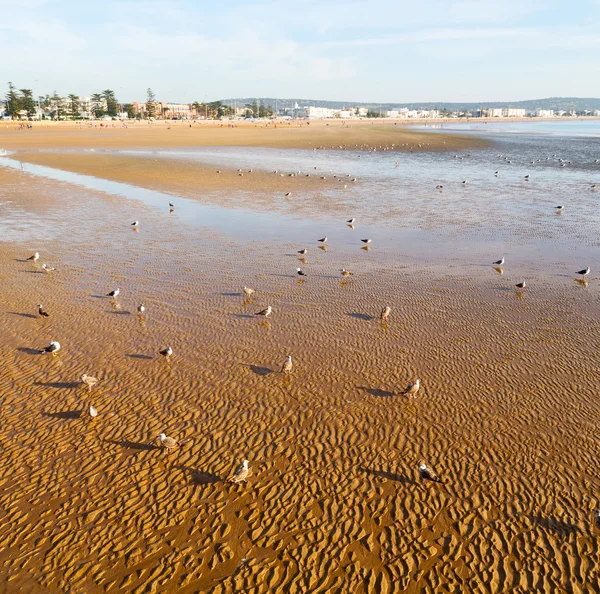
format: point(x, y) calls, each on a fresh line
point(556, 103)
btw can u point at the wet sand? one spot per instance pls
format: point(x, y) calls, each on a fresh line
point(507, 414)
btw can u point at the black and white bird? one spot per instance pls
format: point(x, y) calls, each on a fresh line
point(499, 262)
point(526, 178)
point(351, 221)
point(323, 239)
point(240, 474)
point(171, 205)
point(53, 347)
point(135, 224)
point(345, 272)
point(264, 312)
point(141, 308)
point(168, 443)
point(521, 285)
point(166, 352)
point(366, 241)
point(42, 312)
point(303, 251)
point(288, 194)
point(560, 207)
point(114, 293)
point(300, 272)
point(584, 272)
point(412, 388)
point(34, 258)
point(427, 474)
point(287, 365)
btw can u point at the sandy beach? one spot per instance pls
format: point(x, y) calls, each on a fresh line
point(507, 414)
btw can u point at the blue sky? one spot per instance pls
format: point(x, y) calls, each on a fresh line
point(385, 51)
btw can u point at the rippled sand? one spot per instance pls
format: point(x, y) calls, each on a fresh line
point(507, 415)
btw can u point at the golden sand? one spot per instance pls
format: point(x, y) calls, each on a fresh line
point(318, 134)
point(506, 415)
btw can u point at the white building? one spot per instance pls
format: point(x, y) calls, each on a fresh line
point(514, 112)
point(544, 113)
point(317, 113)
point(362, 112)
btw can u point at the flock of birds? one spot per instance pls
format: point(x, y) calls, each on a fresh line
point(242, 471)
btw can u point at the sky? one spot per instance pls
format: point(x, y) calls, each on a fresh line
point(384, 51)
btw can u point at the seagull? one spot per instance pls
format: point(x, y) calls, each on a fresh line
point(93, 412)
point(527, 177)
point(385, 312)
point(89, 381)
point(48, 268)
point(345, 272)
point(248, 291)
point(141, 308)
point(427, 474)
point(464, 181)
point(366, 240)
point(288, 194)
point(521, 285)
point(499, 262)
point(135, 224)
point(351, 221)
point(559, 207)
point(34, 258)
point(323, 239)
point(265, 312)
point(167, 352)
point(439, 187)
point(114, 293)
point(167, 443)
point(287, 365)
point(303, 251)
point(597, 517)
point(240, 474)
point(412, 388)
point(171, 205)
point(300, 272)
point(53, 347)
point(584, 272)
point(43, 313)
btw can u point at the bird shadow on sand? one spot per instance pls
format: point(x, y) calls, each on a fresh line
point(59, 385)
point(32, 271)
point(231, 294)
point(260, 370)
point(238, 315)
point(504, 289)
point(99, 296)
point(64, 414)
point(390, 476)
point(360, 316)
point(376, 392)
point(118, 312)
point(553, 525)
point(139, 356)
point(199, 477)
point(133, 445)
point(22, 315)
point(29, 351)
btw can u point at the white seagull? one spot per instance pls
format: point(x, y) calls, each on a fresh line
point(166, 352)
point(584, 272)
point(48, 268)
point(300, 272)
point(141, 308)
point(323, 239)
point(168, 443)
point(265, 312)
point(53, 347)
point(93, 412)
point(287, 365)
point(521, 285)
point(135, 224)
point(114, 293)
point(413, 388)
point(351, 221)
point(366, 241)
point(560, 207)
point(34, 258)
point(240, 474)
point(499, 262)
point(427, 474)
